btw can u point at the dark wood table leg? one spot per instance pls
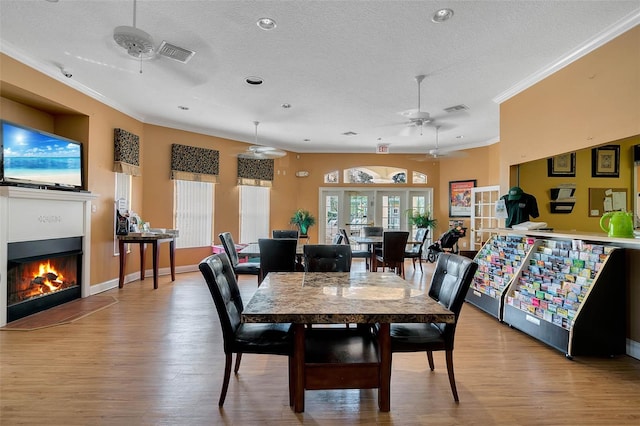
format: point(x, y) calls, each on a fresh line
point(172, 258)
point(384, 389)
point(155, 263)
point(123, 262)
point(298, 359)
point(143, 250)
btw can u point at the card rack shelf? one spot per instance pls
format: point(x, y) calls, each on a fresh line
point(499, 261)
point(571, 296)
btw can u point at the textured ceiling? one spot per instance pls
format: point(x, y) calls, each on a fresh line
point(344, 66)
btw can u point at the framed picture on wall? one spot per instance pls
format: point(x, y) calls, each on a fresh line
point(605, 161)
point(460, 197)
point(563, 165)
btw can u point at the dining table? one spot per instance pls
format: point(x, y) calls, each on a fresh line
point(253, 250)
point(375, 241)
point(330, 357)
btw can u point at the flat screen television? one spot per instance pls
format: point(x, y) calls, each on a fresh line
point(35, 158)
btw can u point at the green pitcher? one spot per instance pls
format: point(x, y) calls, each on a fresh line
point(620, 224)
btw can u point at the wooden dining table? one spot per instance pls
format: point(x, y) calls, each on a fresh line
point(340, 357)
point(376, 241)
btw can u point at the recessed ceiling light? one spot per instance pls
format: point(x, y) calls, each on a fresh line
point(184, 108)
point(306, 140)
point(254, 80)
point(460, 137)
point(442, 15)
point(266, 23)
point(286, 106)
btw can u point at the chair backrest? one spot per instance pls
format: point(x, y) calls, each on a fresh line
point(421, 235)
point(285, 233)
point(450, 282)
point(327, 258)
point(337, 239)
point(345, 236)
point(229, 247)
point(372, 231)
point(221, 280)
point(394, 244)
point(277, 255)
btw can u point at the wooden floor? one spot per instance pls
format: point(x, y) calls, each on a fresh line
point(156, 358)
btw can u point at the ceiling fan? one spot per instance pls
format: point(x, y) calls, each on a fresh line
point(260, 151)
point(418, 119)
point(139, 44)
point(437, 153)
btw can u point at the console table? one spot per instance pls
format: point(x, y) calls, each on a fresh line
point(144, 238)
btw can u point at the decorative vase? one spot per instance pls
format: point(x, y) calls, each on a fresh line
point(303, 229)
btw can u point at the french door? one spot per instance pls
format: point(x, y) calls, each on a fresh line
point(483, 214)
point(353, 208)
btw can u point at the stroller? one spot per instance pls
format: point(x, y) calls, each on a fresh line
point(448, 242)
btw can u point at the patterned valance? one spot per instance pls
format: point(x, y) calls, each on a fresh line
point(255, 172)
point(126, 153)
point(193, 163)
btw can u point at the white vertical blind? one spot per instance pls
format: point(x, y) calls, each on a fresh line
point(193, 213)
point(123, 191)
point(254, 213)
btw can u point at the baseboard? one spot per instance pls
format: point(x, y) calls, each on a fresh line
point(108, 285)
point(633, 348)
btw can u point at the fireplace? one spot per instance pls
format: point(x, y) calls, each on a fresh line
point(42, 274)
point(48, 227)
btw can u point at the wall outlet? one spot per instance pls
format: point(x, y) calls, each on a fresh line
point(464, 244)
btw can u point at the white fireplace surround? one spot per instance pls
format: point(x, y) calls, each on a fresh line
point(29, 214)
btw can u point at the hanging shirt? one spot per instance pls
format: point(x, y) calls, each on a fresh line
point(520, 210)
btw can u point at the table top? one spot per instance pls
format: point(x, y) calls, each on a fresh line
point(253, 249)
point(377, 240)
point(341, 297)
point(146, 236)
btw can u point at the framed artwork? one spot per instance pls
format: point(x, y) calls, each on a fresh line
point(460, 197)
point(605, 161)
point(563, 165)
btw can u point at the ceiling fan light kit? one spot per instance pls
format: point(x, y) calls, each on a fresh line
point(136, 42)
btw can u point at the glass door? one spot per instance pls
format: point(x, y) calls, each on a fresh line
point(483, 214)
point(332, 217)
point(391, 205)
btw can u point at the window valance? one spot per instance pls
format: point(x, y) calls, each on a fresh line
point(195, 164)
point(126, 153)
point(255, 171)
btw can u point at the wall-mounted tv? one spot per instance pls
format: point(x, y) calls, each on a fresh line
point(35, 158)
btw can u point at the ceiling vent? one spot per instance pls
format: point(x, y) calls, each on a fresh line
point(174, 52)
point(350, 133)
point(457, 108)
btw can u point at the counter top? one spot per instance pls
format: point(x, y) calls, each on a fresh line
point(572, 235)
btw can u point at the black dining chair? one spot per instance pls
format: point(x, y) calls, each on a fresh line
point(356, 253)
point(415, 252)
point(239, 268)
point(239, 337)
point(327, 258)
point(450, 282)
point(277, 255)
point(394, 244)
point(285, 233)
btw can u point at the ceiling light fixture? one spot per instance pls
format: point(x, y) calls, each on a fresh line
point(184, 108)
point(266, 24)
point(254, 80)
point(286, 106)
point(442, 15)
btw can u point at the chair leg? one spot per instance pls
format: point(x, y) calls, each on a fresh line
point(225, 381)
point(419, 262)
point(238, 359)
point(430, 359)
point(452, 380)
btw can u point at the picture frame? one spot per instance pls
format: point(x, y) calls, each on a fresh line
point(605, 161)
point(563, 165)
point(460, 202)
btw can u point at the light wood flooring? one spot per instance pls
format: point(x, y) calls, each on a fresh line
point(156, 358)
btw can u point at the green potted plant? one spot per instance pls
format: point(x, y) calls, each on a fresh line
point(303, 220)
point(421, 219)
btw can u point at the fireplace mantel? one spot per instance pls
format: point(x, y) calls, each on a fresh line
point(30, 214)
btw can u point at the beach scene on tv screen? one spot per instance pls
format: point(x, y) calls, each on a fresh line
point(36, 157)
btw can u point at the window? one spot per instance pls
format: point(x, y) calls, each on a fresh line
point(331, 177)
point(122, 199)
point(193, 213)
point(375, 174)
point(254, 213)
point(419, 177)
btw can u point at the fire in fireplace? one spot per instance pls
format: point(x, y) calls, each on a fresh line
point(42, 274)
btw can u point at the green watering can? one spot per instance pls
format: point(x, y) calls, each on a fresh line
point(620, 224)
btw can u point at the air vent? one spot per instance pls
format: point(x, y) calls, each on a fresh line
point(349, 133)
point(174, 52)
point(457, 108)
